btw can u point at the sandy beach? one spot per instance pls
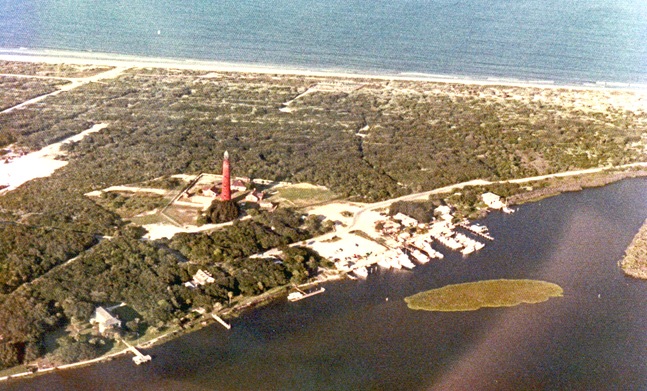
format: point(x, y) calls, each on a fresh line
point(118, 60)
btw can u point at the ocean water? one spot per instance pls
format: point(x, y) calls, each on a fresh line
point(565, 41)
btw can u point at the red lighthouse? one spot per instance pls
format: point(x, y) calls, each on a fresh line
point(225, 193)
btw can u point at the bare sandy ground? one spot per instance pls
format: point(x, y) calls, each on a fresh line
point(39, 164)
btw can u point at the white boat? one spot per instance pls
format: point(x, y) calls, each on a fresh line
point(419, 256)
point(405, 262)
point(299, 295)
point(431, 251)
point(479, 229)
point(361, 272)
point(449, 242)
point(468, 250)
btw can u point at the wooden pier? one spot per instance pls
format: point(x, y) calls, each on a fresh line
point(479, 230)
point(221, 321)
point(139, 357)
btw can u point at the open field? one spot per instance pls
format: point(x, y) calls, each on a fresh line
point(302, 195)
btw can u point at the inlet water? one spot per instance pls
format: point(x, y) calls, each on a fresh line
point(353, 338)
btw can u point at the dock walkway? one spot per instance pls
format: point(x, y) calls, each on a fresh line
point(139, 357)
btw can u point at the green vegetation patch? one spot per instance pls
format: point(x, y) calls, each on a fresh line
point(471, 296)
point(129, 204)
point(303, 195)
point(634, 262)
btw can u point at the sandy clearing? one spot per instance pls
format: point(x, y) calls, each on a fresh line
point(38, 164)
point(133, 189)
point(159, 231)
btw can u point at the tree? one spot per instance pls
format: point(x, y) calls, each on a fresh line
point(9, 355)
point(222, 211)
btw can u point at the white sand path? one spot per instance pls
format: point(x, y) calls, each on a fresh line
point(75, 82)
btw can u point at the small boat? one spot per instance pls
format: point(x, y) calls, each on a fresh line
point(405, 262)
point(419, 256)
point(431, 251)
point(478, 228)
point(468, 250)
point(361, 272)
point(299, 295)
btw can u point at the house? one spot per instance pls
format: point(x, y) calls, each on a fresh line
point(267, 205)
point(202, 278)
point(255, 196)
point(406, 220)
point(104, 320)
point(239, 185)
point(494, 201)
point(444, 212)
point(210, 191)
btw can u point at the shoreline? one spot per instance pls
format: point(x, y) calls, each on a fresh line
point(249, 303)
point(132, 61)
point(245, 304)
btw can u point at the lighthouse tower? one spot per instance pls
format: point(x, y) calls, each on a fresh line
point(225, 193)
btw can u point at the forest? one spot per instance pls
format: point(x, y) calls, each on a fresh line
point(149, 277)
point(385, 139)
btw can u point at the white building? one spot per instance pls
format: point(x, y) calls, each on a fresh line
point(494, 201)
point(406, 220)
point(444, 212)
point(104, 320)
point(202, 278)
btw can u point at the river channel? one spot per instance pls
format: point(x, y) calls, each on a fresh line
point(360, 335)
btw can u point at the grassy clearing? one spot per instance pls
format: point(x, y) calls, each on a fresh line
point(301, 195)
point(149, 219)
point(491, 293)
